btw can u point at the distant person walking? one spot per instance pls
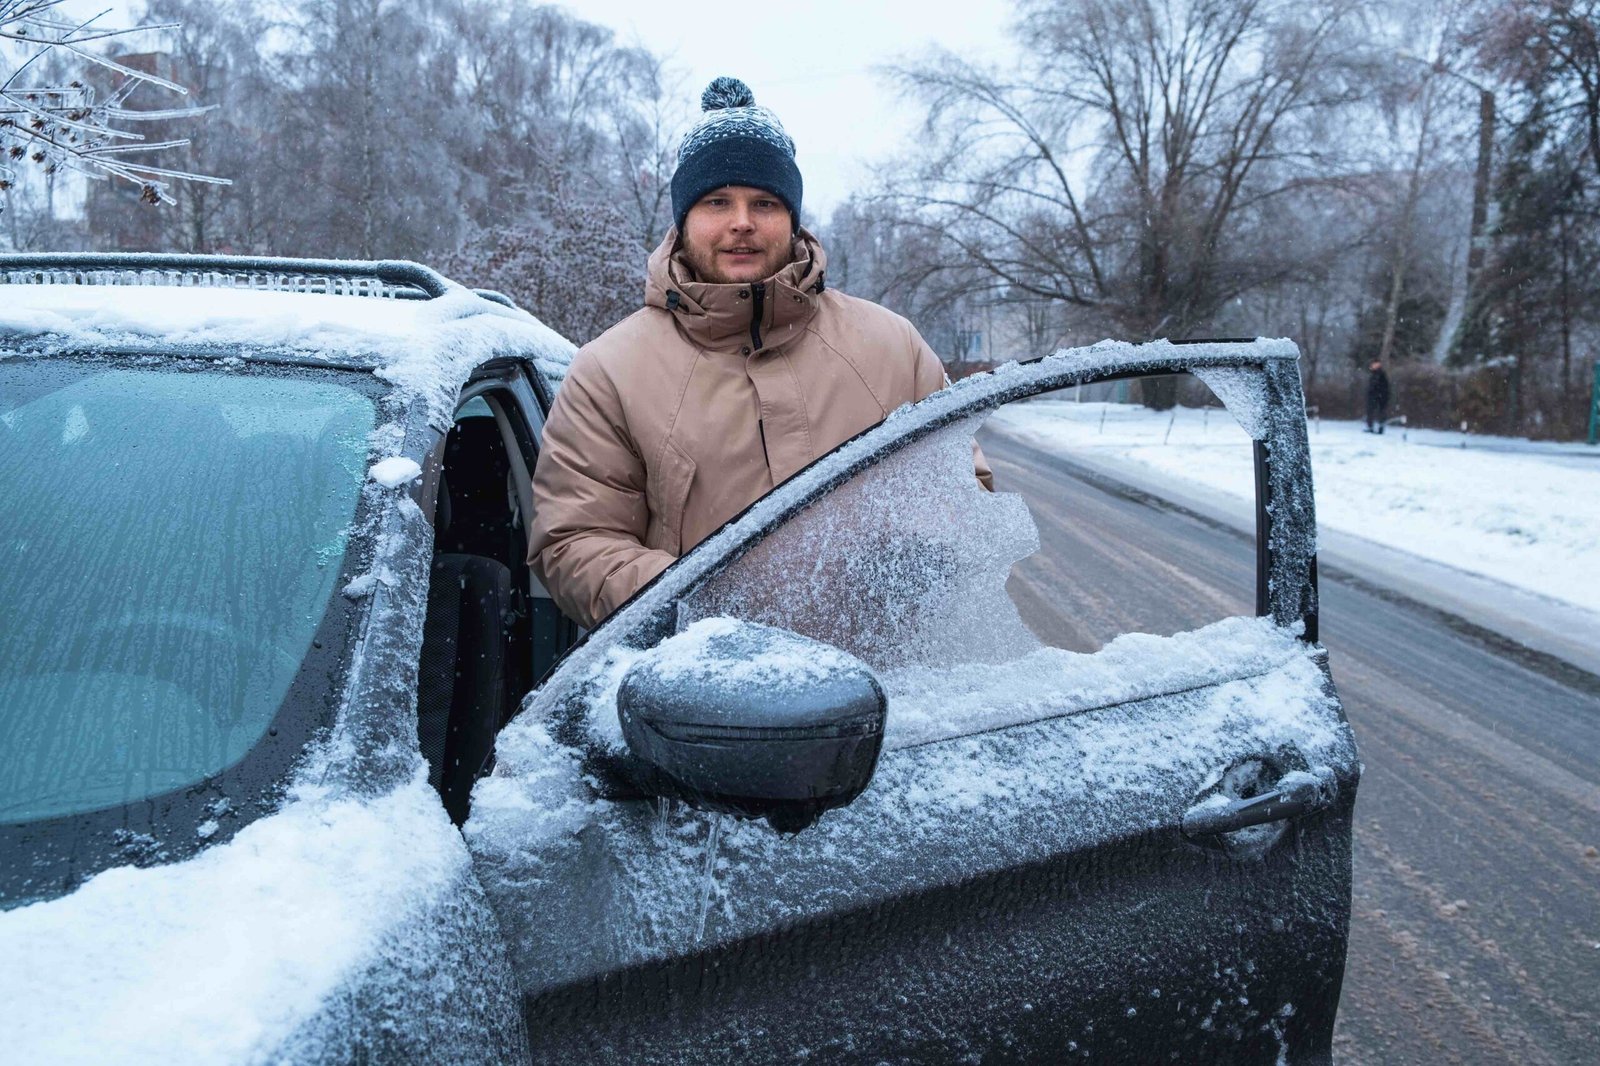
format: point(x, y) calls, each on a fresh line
point(1377, 397)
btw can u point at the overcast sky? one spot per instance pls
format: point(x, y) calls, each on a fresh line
point(812, 62)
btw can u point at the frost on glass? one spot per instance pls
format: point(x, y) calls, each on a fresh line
point(904, 564)
point(169, 544)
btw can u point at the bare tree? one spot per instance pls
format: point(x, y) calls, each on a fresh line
point(647, 127)
point(1551, 47)
point(366, 142)
point(574, 261)
point(215, 47)
point(1125, 170)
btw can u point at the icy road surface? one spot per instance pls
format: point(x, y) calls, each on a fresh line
point(1476, 929)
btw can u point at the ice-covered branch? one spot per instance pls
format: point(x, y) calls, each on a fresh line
point(59, 124)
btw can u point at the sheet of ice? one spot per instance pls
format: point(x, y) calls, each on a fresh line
point(261, 949)
point(1243, 394)
point(394, 471)
point(1516, 511)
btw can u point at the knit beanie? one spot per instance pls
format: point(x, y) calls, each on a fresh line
point(734, 143)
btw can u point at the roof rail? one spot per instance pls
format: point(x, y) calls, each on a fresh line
point(495, 296)
point(395, 278)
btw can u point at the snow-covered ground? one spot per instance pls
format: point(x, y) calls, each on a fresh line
point(1520, 512)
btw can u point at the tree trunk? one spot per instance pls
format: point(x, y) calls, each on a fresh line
point(1402, 248)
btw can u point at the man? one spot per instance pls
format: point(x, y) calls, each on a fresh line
point(1377, 397)
point(741, 368)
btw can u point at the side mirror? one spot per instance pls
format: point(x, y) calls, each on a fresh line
point(751, 720)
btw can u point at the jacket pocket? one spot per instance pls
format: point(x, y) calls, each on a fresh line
point(667, 495)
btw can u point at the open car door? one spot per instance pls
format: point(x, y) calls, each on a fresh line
point(1136, 854)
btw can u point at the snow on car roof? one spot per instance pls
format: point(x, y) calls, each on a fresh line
point(419, 345)
point(315, 321)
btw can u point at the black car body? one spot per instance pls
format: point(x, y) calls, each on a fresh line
point(1137, 855)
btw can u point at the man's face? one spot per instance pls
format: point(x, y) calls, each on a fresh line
point(737, 234)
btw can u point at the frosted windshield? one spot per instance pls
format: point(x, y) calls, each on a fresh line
point(169, 544)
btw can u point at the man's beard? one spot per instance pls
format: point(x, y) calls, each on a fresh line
point(703, 264)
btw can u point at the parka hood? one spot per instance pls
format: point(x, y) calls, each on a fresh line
point(720, 316)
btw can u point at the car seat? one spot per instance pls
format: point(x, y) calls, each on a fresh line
point(462, 690)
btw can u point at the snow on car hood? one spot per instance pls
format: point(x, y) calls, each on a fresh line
point(264, 948)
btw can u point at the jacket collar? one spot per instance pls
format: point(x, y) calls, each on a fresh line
point(720, 316)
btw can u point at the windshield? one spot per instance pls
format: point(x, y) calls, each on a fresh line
point(169, 543)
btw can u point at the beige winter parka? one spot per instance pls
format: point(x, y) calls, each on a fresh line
point(695, 406)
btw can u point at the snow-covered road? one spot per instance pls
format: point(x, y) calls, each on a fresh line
point(1518, 513)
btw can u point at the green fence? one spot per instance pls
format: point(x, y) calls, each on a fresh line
point(1594, 407)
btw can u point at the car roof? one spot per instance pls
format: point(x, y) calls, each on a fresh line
point(396, 318)
point(342, 329)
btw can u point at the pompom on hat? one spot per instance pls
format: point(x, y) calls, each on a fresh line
point(735, 142)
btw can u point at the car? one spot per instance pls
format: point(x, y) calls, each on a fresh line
point(298, 761)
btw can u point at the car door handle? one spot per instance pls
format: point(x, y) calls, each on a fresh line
point(1297, 793)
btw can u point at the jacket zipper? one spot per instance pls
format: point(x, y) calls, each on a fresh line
point(758, 298)
point(761, 427)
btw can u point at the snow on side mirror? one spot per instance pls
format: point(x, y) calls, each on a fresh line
point(752, 720)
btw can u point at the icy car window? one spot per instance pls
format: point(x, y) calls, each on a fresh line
point(477, 407)
point(169, 543)
point(1244, 393)
point(905, 564)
